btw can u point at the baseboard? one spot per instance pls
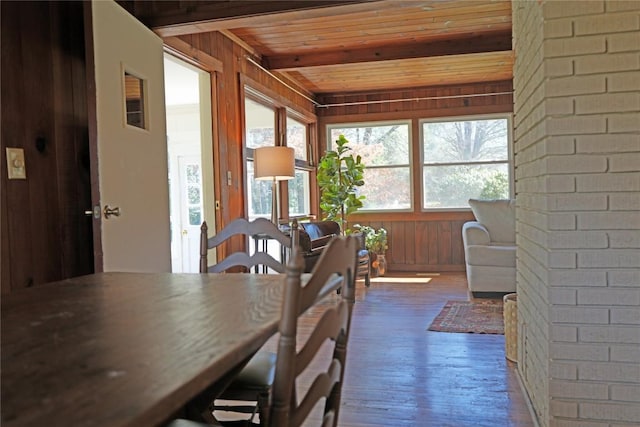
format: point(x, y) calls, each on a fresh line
point(527, 399)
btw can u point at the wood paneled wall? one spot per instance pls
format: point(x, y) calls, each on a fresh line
point(418, 241)
point(427, 243)
point(45, 234)
point(228, 118)
point(441, 101)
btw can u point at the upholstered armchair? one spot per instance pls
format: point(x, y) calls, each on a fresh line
point(315, 236)
point(489, 246)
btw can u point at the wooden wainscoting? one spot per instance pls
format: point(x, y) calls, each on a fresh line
point(421, 242)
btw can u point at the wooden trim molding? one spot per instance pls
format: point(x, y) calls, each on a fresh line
point(193, 56)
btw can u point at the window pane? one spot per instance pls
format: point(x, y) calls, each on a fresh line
point(193, 194)
point(195, 216)
point(386, 188)
point(193, 173)
point(299, 195)
point(297, 138)
point(135, 100)
point(453, 186)
point(260, 124)
point(379, 145)
point(259, 195)
point(385, 152)
point(465, 141)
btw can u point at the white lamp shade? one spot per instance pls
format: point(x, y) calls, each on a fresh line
point(274, 163)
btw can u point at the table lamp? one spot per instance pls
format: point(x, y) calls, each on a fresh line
point(277, 164)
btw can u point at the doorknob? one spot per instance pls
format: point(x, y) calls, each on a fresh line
point(111, 211)
point(185, 232)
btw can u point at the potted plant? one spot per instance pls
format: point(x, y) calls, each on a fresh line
point(339, 176)
point(376, 242)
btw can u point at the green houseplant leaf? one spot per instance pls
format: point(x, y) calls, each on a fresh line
point(374, 240)
point(339, 176)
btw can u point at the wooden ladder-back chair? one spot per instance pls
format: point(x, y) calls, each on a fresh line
point(339, 260)
point(241, 226)
point(335, 270)
point(263, 359)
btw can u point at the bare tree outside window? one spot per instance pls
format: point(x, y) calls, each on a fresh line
point(385, 152)
point(463, 160)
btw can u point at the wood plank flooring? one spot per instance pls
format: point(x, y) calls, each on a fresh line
point(399, 374)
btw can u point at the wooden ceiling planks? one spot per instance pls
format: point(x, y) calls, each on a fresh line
point(414, 45)
point(378, 28)
point(410, 73)
point(356, 46)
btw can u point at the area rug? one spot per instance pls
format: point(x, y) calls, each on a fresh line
point(476, 317)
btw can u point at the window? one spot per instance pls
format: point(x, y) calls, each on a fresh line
point(134, 100)
point(385, 152)
point(260, 131)
point(464, 159)
point(194, 194)
point(299, 192)
point(261, 118)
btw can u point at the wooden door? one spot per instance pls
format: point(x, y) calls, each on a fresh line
point(129, 143)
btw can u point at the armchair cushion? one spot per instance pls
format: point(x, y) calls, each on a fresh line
point(489, 246)
point(498, 216)
point(491, 255)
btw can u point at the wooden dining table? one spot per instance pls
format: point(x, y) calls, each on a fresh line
point(127, 349)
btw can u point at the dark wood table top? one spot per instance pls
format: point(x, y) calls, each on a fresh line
point(127, 349)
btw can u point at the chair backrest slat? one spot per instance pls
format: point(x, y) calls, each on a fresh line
point(335, 270)
point(241, 226)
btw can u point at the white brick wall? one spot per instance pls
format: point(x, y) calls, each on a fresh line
point(577, 154)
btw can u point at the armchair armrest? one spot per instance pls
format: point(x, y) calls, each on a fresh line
point(321, 242)
point(474, 233)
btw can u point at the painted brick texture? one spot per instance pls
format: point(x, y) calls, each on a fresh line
point(577, 159)
point(531, 146)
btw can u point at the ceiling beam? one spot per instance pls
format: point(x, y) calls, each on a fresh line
point(486, 42)
point(206, 16)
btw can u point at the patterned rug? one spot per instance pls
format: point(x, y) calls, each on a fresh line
point(476, 317)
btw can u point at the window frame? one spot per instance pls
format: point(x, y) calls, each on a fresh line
point(305, 165)
point(258, 98)
point(281, 114)
point(509, 161)
point(410, 165)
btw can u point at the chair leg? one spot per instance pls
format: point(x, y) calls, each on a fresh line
point(263, 408)
point(367, 280)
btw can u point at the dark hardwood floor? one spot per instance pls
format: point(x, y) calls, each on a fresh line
point(399, 374)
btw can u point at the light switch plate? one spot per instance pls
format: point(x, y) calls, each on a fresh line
point(16, 167)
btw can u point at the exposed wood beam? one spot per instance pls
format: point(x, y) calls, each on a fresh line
point(206, 16)
point(237, 40)
point(489, 42)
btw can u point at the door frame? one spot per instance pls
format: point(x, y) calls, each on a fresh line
point(212, 179)
point(92, 116)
